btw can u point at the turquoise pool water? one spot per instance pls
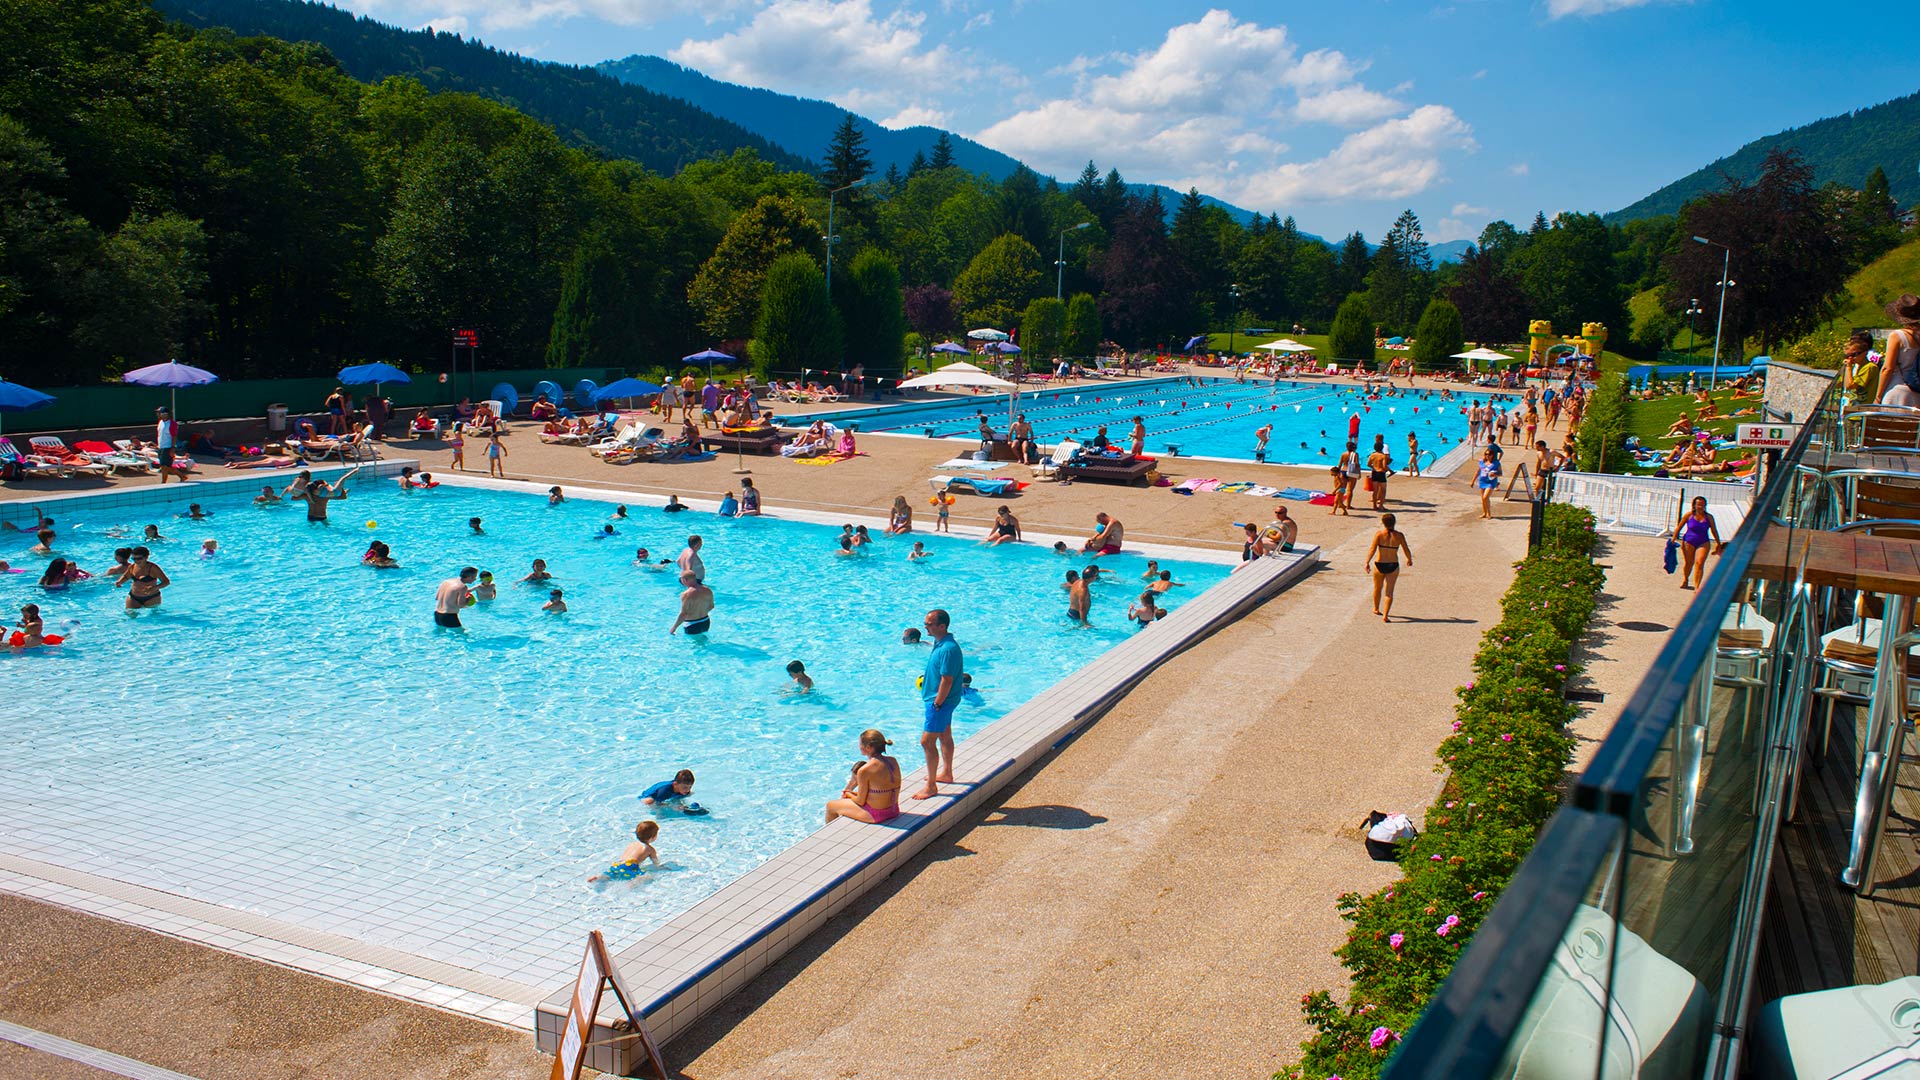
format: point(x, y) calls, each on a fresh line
point(1216, 419)
point(289, 734)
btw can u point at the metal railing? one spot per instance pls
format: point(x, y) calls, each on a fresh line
point(1624, 946)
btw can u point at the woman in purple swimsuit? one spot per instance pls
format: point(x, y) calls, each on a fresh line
point(1694, 532)
point(865, 798)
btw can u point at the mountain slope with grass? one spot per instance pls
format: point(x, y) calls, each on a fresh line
point(1843, 149)
point(1878, 283)
point(586, 107)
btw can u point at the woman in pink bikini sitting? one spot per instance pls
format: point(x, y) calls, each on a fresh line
point(873, 794)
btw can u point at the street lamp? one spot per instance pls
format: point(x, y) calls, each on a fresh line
point(1693, 308)
point(1060, 261)
point(1726, 281)
point(830, 238)
point(1233, 304)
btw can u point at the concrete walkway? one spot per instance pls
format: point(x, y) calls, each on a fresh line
point(1154, 902)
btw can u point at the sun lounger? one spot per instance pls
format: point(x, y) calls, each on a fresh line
point(1111, 470)
point(30, 466)
point(1061, 453)
point(979, 485)
point(767, 441)
point(50, 448)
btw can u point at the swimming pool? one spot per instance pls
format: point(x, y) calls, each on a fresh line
point(289, 736)
point(1216, 419)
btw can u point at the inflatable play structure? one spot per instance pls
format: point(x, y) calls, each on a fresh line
point(1543, 346)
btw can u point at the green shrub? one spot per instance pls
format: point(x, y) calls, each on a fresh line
point(1439, 337)
point(1602, 443)
point(1505, 757)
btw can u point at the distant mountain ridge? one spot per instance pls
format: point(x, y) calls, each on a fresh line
point(585, 107)
point(1842, 149)
point(807, 123)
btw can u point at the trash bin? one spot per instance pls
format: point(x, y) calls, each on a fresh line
point(277, 417)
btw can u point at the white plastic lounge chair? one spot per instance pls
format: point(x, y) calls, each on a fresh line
point(30, 466)
point(1050, 465)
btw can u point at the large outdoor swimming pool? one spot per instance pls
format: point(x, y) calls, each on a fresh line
point(1216, 419)
point(291, 736)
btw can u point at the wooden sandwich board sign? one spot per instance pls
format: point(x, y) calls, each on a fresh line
point(597, 970)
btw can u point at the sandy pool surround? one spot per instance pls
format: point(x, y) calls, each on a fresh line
point(692, 963)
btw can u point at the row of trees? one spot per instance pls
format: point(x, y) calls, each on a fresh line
point(246, 204)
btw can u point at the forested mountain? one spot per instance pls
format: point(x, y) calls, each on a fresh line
point(806, 123)
point(587, 108)
point(1841, 149)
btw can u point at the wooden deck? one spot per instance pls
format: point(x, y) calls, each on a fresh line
point(1818, 934)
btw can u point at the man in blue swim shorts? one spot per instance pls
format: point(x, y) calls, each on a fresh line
point(940, 693)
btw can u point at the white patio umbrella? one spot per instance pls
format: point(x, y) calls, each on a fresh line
point(959, 373)
point(987, 333)
point(1488, 355)
point(1286, 345)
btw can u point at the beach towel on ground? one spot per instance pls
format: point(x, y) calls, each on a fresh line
point(1298, 494)
point(970, 464)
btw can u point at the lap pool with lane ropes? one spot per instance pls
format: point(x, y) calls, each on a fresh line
point(289, 735)
point(1216, 419)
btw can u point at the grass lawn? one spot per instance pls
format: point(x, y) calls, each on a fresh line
point(1650, 419)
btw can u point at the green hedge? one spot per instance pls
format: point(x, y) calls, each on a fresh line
point(1601, 445)
point(1506, 756)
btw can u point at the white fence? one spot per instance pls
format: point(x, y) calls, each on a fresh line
point(1650, 505)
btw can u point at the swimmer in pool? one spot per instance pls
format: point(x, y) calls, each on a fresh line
point(674, 505)
point(486, 589)
point(474, 524)
point(846, 547)
point(554, 603)
point(195, 513)
point(696, 606)
point(1166, 582)
point(1060, 548)
point(554, 497)
point(1152, 571)
point(605, 532)
point(537, 574)
point(1079, 599)
point(32, 629)
point(267, 495)
point(911, 636)
point(637, 853)
point(669, 791)
point(151, 533)
point(644, 560)
point(919, 552)
point(620, 512)
point(43, 542)
point(209, 548)
point(797, 671)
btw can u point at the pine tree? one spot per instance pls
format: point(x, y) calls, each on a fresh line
point(942, 153)
point(893, 175)
point(1351, 275)
point(1397, 286)
point(917, 166)
point(847, 159)
point(1113, 199)
point(1087, 189)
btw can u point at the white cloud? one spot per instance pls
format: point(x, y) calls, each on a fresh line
point(915, 116)
point(1348, 106)
point(1448, 228)
point(808, 45)
point(1560, 9)
point(1391, 160)
point(462, 16)
point(1519, 168)
point(978, 22)
point(1207, 99)
point(1481, 74)
point(1461, 209)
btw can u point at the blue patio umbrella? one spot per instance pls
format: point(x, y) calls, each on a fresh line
point(709, 355)
point(172, 375)
point(1396, 341)
point(376, 374)
point(625, 388)
point(950, 346)
point(1003, 347)
point(1192, 341)
point(17, 398)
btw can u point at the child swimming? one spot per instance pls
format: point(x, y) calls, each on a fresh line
point(797, 671)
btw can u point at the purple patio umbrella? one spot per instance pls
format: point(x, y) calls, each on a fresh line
point(172, 375)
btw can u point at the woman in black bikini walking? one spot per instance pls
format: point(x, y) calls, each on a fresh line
point(147, 580)
point(1383, 560)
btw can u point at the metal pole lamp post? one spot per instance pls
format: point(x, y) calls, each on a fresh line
point(830, 238)
point(1060, 260)
point(1233, 310)
point(1726, 282)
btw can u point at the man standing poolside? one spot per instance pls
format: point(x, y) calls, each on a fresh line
point(1107, 541)
point(940, 693)
point(453, 596)
point(163, 442)
point(690, 562)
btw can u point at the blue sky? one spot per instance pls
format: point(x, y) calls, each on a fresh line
point(1340, 114)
